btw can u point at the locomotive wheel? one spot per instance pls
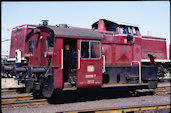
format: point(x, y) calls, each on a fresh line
point(29, 85)
point(47, 87)
point(37, 94)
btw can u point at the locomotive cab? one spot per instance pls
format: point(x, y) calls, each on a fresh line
point(79, 59)
point(81, 65)
point(124, 33)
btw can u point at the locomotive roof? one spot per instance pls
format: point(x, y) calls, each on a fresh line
point(70, 33)
point(75, 33)
point(119, 23)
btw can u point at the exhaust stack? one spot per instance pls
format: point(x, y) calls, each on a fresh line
point(45, 22)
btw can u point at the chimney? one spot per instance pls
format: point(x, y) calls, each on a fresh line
point(149, 33)
point(44, 22)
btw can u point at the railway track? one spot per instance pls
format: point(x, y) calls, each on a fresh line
point(159, 91)
point(7, 91)
point(12, 91)
point(20, 101)
point(27, 100)
point(12, 99)
point(163, 90)
point(134, 109)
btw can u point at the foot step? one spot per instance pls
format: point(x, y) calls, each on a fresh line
point(67, 85)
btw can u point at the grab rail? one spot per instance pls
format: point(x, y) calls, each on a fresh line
point(61, 58)
point(78, 59)
point(139, 63)
point(103, 63)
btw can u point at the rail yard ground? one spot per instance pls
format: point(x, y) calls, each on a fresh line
point(93, 104)
point(87, 101)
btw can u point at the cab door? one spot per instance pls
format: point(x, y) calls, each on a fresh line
point(89, 63)
point(58, 61)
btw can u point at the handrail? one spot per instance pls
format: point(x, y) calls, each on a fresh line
point(139, 63)
point(61, 59)
point(18, 56)
point(78, 59)
point(103, 63)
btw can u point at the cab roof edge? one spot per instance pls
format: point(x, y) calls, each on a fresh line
point(123, 23)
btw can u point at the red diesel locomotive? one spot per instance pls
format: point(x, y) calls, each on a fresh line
point(55, 58)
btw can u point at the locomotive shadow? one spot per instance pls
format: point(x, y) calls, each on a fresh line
point(91, 95)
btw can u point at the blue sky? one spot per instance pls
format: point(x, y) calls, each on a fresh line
point(150, 15)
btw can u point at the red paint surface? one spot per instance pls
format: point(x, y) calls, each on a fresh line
point(96, 80)
point(18, 39)
point(38, 59)
point(83, 81)
point(156, 48)
point(58, 74)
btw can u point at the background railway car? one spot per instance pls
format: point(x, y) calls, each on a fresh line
point(18, 36)
point(17, 48)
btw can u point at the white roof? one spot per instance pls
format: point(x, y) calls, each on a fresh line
point(126, 24)
point(123, 23)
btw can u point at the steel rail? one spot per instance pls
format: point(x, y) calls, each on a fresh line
point(7, 91)
point(24, 103)
point(125, 109)
point(16, 98)
point(18, 101)
point(11, 91)
point(159, 90)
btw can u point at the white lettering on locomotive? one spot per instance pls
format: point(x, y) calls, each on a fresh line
point(90, 81)
point(90, 68)
point(90, 76)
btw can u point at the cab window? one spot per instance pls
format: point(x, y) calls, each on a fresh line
point(90, 50)
point(111, 27)
point(95, 49)
point(134, 31)
point(123, 30)
point(30, 46)
point(84, 49)
point(126, 30)
point(129, 30)
point(49, 41)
